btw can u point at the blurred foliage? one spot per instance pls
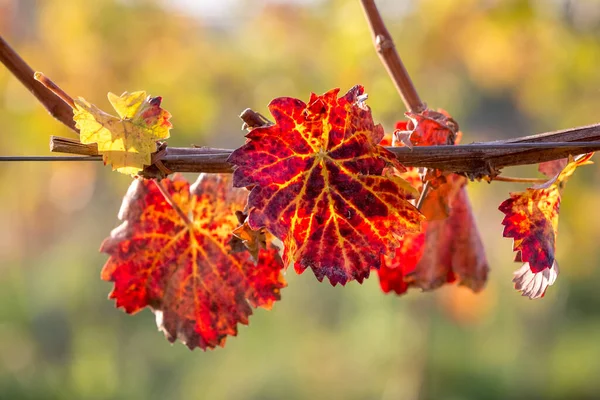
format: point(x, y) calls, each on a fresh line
point(502, 68)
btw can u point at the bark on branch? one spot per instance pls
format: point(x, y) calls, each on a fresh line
point(24, 73)
point(474, 160)
point(384, 44)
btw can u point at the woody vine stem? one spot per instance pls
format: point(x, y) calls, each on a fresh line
point(476, 160)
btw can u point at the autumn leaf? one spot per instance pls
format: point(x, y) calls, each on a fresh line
point(126, 142)
point(531, 219)
point(186, 273)
point(318, 184)
point(412, 175)
point(552, 168)
point(446, 251)
point(428, 128)
point(437, 202)
point(394, 271)
point(451, 248)
point(244, 238)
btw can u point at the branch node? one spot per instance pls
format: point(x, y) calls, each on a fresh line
point(383, 43)
point(157, 169)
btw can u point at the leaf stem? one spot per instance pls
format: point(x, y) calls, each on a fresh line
point(384, 45)
point(24, 73)
point(171, 202)
point(423, 195)
point(501, 178)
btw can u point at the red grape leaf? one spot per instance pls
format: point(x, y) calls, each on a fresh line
point(198, 289)
point(412, 175)
point(531, 219)
point(451, 247)
point(394, 270)
point(428, 128)
point(451, 251)
point(128, 141)
point(244, 238)
point(318, 184)
point(436, 204)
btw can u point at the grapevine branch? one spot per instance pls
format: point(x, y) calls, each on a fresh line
point(384, 44)
point(23, 72)
point(474, 160)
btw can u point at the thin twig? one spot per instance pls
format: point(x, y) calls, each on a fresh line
point(172, 203)
point(54, 88)
point(24, 73)
point(514, 179)
point(386, 49)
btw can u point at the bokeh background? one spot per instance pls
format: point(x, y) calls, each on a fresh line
point(502, 68)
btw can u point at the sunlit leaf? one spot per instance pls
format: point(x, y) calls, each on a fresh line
point(449, 248)
point(531, 219)
point(395, 270)
point(126, 142)
point(187, 274)
point(244, 238)
point(552, 168)
point(428, 128)
point(319, 185)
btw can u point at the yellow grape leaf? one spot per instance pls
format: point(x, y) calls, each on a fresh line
point(128, 141)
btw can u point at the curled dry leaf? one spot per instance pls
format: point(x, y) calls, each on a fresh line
point(447, 250)
point(318, 184)
point(126, 142)
point(186, 273)
point(553, 168)
point(428, 128)
point(244, 238)
point(395, 270)
point(531, 220)
point(452, 249)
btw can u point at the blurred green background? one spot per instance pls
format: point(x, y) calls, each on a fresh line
point(501, 68)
